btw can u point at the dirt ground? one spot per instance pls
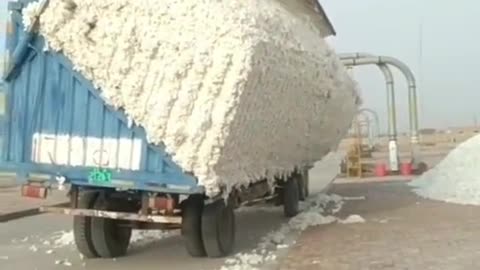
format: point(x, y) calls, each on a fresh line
point(401, 231)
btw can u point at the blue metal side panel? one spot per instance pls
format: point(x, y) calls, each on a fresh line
point(57, 124)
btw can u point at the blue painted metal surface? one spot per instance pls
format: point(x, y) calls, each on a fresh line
point(51, 108)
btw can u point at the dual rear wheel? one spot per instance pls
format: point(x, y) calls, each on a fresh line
point(100, 237)
point(208, 229)
point(292, 191)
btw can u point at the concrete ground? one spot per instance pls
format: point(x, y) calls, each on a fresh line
point(31, 243)
point(13, 205)
point(401, 231)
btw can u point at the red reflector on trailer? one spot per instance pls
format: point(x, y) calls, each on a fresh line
point(32, 191)
point(162, 203)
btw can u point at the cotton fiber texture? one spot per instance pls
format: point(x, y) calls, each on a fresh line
point(456, 178)
point(237, 91)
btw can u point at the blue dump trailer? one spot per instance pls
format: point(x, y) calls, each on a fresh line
point(57, 132)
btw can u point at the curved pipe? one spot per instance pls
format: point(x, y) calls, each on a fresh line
point(391, 104)
point(365, 126)
point(366, 59)
point(376, 118)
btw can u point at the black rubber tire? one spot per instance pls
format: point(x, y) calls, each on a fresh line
point(421, 168)
point(110, 238)
point(82, 231)
point(218, 229)
point(291, 197)
point(192, 225)
point(301, 186)
point(279, 196)
point(306, 182)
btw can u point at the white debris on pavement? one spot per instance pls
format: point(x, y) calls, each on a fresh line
point(456, 178)
point(3, 257)
point(357, 198)
point(62, 239)
point(316, 211)
point(63, 262)
point(145, 237)
point(33, 248)
point(352, 219)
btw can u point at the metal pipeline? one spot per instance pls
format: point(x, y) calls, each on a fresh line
point(394, 158)
point(375, 117)
point(354, 59)
point(365, 123)
point(366, 59)
point(389, 83)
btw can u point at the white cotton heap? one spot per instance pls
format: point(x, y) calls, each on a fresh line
point(456, 178)
point(237, 91)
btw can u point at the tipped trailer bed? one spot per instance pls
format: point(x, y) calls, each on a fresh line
point(57, 132)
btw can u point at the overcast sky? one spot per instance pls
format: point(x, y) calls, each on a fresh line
point(448, 78)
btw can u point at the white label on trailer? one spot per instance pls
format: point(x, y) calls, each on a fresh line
point(111, 153)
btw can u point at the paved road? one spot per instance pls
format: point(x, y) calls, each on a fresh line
point(401, 232)
point(160, 254)
point(38, 242)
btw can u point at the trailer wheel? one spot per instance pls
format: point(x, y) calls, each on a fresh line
point(302, 185)
point(306, 183)
point(82, 231)
point(279, 196)
point(110, 237)
point(291, 196)
point(218, 229)
point(192, 225)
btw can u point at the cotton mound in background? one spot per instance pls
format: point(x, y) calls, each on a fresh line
point(456, 178)
point(236, 90)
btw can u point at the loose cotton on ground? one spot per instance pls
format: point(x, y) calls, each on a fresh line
point(456, 178)
point(236, 90)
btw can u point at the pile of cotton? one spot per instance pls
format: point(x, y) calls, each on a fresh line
point(236, 90)
point(456, 178)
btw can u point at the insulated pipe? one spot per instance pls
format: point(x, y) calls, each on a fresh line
point(346, 59)
point(375, 117)
point(367, 124)
point(365, 59)
point(392, 118)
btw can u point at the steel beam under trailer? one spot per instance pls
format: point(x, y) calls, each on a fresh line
point(114, 215)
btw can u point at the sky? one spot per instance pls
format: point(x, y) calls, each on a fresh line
point(446, 73)
point(3, 19)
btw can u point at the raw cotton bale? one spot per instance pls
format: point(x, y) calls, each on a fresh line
point(237, 91)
